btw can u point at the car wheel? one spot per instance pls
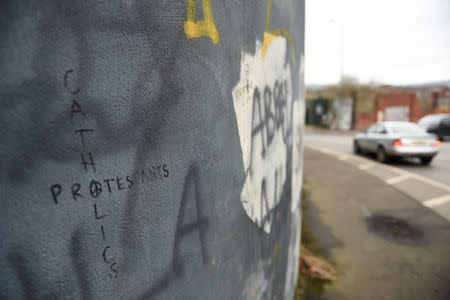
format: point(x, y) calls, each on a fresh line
point(356, 148)
point(381, 155)
point(426, 160)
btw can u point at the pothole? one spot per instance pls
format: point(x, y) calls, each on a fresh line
point(395, 229)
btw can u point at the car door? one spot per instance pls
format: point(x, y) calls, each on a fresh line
point(362, 138)
point(371, 138)
point(382, 137)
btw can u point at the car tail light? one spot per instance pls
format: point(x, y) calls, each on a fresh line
point(437, 143)
point(397, 143)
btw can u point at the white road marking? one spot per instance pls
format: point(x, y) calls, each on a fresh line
point(366, 166)
point(397, 179)
point(420, 178)
point(437, 201)
point(343, 157)
point(432, 182)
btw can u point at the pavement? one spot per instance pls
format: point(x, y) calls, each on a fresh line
point(384, 243)
point(429, 185)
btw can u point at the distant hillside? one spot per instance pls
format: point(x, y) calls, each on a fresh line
point(436, 83)
point(316, 86)
point(446, 83)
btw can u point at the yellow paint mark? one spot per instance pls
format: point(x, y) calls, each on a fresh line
point(270, 36)
point(275, 256)
point(206, 27)
point(276, 247)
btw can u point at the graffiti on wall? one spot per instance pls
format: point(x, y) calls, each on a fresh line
point(271, 35)
point(148, 149)
point(270, 104)
point(262, 101)
point(197, 28)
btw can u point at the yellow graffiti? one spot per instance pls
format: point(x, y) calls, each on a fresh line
point(206, 27)
point(270, 36)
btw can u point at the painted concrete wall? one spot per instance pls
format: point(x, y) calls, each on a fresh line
point(150, 149)
point(342, 110)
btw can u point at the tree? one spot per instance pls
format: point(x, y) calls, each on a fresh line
point(358, 92)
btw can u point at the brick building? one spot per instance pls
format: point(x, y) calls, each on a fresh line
point(406, 105)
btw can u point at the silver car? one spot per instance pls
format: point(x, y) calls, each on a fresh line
point(397, 139)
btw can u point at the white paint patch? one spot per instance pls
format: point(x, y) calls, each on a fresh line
point(297, 140)
point(262, 101)
point(293, 256)
point(258, 285)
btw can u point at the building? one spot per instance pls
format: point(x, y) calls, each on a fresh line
point(406, 104)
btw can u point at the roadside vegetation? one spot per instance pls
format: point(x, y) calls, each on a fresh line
point(315, 272)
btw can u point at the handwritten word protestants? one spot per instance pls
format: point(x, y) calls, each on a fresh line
point(98, 187)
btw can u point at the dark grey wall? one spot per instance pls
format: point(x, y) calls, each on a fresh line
point(122, 150)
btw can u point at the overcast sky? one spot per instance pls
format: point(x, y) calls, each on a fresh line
point(388, 41)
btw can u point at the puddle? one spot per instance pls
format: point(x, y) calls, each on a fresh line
point(395, 229)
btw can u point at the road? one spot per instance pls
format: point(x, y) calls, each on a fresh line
point(439, 169)
point(429, 185)
point(384, 243)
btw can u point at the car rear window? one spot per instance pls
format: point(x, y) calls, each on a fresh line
point(407, 129)
point(432, 119)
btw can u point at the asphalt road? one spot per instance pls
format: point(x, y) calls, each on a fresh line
point(429, 185)
point(383, 242)
point(439, 169)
